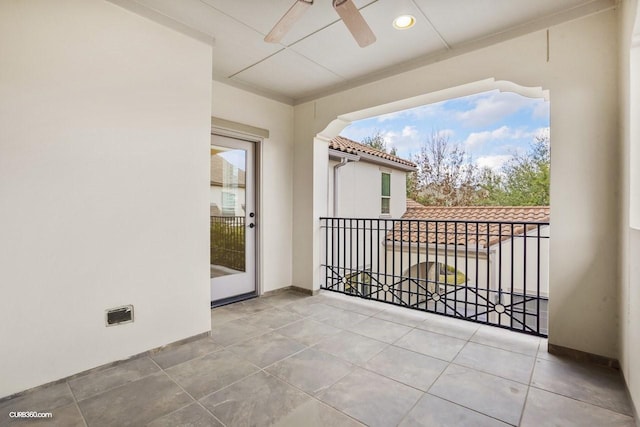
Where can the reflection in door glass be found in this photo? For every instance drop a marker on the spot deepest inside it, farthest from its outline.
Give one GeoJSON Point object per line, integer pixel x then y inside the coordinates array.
{"type": "Point", "coordinates": [227, 200]}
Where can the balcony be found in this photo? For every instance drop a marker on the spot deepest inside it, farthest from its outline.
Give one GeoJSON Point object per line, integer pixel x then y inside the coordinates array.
{"type": "Point", "coordinates": [291, 360]}
{"type": "Point", "coordinates": [489, 272]}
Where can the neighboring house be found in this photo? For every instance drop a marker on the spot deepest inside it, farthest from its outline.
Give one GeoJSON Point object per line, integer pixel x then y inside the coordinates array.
{"type": "Point", "coordinates": [365, 182]}
{"type": "Point", "coordinates": [226, 199]}
{"type": "Point", "coordinates": [480, 247]}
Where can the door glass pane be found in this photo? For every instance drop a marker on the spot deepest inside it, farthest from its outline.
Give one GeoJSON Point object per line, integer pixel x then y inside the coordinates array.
{"type": "Point", "coordinates": [227, 205]}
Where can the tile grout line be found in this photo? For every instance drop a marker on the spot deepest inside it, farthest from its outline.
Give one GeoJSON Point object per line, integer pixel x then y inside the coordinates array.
{"type": "Point", "coordinates": [312, 346]}
{"type": "Point", "coordinates": [471, 409]}
{"type": "Point", "coordinates": [200, 356]}
{"type": "Point", "coordinates": [452, 362]}
{"type": "Point", "coordinates": [581, 401]}
{"type": "Point", "coordinates": [233, 383]}
{"type": "Point", "coordinates": [75, 401]}
{"type": "Point", "coordinates": [194, 400]}
{"type": "Point", "coordinates": [469, 339]}
{"type": "Point", "coordinates": [313, 397]}
{"type": "Point", "coordinates": [526, 397]}
{"type": "Point", "coordinates": [91, 396]}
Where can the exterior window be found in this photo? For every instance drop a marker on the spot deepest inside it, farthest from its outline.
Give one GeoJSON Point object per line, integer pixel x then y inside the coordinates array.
{"type": "Point", "coordinates": [386, 193]}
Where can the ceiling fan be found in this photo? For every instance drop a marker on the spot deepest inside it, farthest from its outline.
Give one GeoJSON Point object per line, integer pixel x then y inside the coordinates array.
{"type": "Point", "coordinates": [345, 8]}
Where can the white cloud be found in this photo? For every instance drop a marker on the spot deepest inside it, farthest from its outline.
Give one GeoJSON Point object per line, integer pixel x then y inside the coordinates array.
{"type": "Point", "coordinates": [417, 113]}
{"type": "Point", "coordinates": [478, 139]}
{"type": "Point", "coordinates": [390, 116]}
{"type": "Point", "coordinates": [493, 162]}
{"type": "Point", "coordinates": [445, 133]}
{"type": "Point", "coordinates": [409, 131]}
{"type": "Point", "coordinates": [390, 137]}
{"type": "Point", "coordinates": [493, 107]}
{"type": "Point", "coordinates": [542, 132]}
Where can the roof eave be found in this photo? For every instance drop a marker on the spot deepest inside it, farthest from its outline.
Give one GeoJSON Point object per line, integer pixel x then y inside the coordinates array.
{"type": "Point", "coordinates": [337, 155]}
{"type": "Point", "coordinates": [370, 158]}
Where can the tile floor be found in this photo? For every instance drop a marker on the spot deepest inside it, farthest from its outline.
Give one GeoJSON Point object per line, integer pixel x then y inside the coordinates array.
{"type": "Point", "coordinates": [331, 360]}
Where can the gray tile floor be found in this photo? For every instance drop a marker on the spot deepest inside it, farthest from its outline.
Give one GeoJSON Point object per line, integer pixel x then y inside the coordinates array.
{"type": "Point", "coordinates": [331, 360]}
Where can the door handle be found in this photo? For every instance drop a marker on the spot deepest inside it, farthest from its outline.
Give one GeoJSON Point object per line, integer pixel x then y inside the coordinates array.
{"type": "Point", "coordinates": [252, 225]}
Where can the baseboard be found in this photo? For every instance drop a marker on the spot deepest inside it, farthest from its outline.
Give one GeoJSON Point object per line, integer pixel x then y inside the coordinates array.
{"type": "Point", "coordinates": [106, 366]}
{"type": "Point", "coordinates": [306, 291]}
{"type": "Point", "coordinates": [289, 289]}
{"type": "Point", "coordinates": [583, 356]}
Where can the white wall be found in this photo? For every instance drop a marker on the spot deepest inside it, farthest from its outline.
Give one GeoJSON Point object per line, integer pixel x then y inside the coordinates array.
{"type": "Point", "coordinates": [581, 77]}
{"type": "Point", "coordinates": [629, 307]}
{"type": "Point", "coordinates": [360, 190]}
{"type": "Point", "coordinates": [104, 171]}
{"type": "Point", "coordinates": [524, 255]}
{"type": "Point", "coordinates": [276, 176]}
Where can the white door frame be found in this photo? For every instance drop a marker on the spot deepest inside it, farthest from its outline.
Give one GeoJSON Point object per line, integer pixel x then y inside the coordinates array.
{"type": "Point", "coordinates": [257, 140]}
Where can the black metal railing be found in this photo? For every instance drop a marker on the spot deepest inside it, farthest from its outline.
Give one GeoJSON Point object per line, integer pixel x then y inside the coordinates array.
{"type": "Point", "coordinates": [483, 271]}
{"type": "Point", "coordinates": [228, 242]}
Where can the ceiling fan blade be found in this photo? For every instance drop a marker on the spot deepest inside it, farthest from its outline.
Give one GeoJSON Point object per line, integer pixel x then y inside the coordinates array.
{"type": "Point", "coordinates": [287, 21]}
{"type": "Point", "coordinates": [355, 22]}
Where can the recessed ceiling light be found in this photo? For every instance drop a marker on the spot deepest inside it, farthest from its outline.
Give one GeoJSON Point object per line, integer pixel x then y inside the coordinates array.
{"type": "Point", "coordinates": [403, 22]}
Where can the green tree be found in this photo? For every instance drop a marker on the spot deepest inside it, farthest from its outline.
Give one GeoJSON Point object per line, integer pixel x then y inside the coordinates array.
{"type": "Point", "coordinates": [447, 176]}
{"type": "Point", "coordinates": [378, 142]}
{"type": "Point", "coordinates": [490, 187]}
{"type": "Point", "coordinates": [526, 177]}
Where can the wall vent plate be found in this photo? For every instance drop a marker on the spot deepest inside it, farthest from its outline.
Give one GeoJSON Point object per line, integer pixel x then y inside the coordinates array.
{"type": "Point", "coordinates": [119, 315]}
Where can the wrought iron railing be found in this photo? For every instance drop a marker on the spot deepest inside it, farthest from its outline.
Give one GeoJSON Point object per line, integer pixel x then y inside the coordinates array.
{"type": "Point", "coordinates": [484, 271]}
{"type": "Point", "coordinates": [228, 242]}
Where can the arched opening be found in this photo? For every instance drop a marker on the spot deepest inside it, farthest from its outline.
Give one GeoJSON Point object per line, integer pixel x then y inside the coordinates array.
{"type": "Point", "coordinates": [487, 265]}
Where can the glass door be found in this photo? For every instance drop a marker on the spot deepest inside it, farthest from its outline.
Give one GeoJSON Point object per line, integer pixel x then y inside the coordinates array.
{"type": "Point", "coordinates": [232, 212]}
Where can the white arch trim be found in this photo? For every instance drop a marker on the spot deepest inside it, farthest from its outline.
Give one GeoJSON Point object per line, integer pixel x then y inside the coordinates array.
{"type": "Point", "coordinates": [336, 126]}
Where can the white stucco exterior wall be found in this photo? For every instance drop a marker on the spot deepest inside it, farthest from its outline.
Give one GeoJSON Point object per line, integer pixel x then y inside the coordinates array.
{"type": "Point", "coordinates": [360, 190]}
{"type": "Point", "coordinates": [275, 176]}
{"type": "Point", "coordinates": [104, 199]}
{"type": "Point", "coordinates": [581, 77]}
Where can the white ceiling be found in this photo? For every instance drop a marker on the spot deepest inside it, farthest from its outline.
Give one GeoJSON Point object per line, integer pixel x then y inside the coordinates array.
{"type": "Point", "coordinates": [319, 55]}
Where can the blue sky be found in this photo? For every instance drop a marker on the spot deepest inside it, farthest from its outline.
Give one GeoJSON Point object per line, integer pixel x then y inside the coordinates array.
{"type": "Point", "coordinates": [491, 126]}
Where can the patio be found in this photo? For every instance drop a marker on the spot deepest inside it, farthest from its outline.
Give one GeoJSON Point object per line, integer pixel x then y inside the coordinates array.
{"type": "Point", "coordinates": [292, 360]}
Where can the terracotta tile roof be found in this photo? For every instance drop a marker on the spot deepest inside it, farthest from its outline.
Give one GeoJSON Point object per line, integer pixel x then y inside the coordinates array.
{"type": "Point", "coordinates": [416, 210]}
{"type": "Point", "coordinates": [412, 204]}
{"type": "Point", "coordinates": [453, 230]}
{"type": "Point", "coordinates": [349, 146]}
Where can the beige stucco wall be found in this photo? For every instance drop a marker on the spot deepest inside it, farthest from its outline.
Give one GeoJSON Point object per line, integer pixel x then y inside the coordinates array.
{"type": "Point", "coordinates": [275, 175]}
{"type": "Point", "coordinates": [629, 219]}
{"type": "Point", "coordinates": [581, 77]}
{"type": "Point", "coordinates": [104, 171]}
